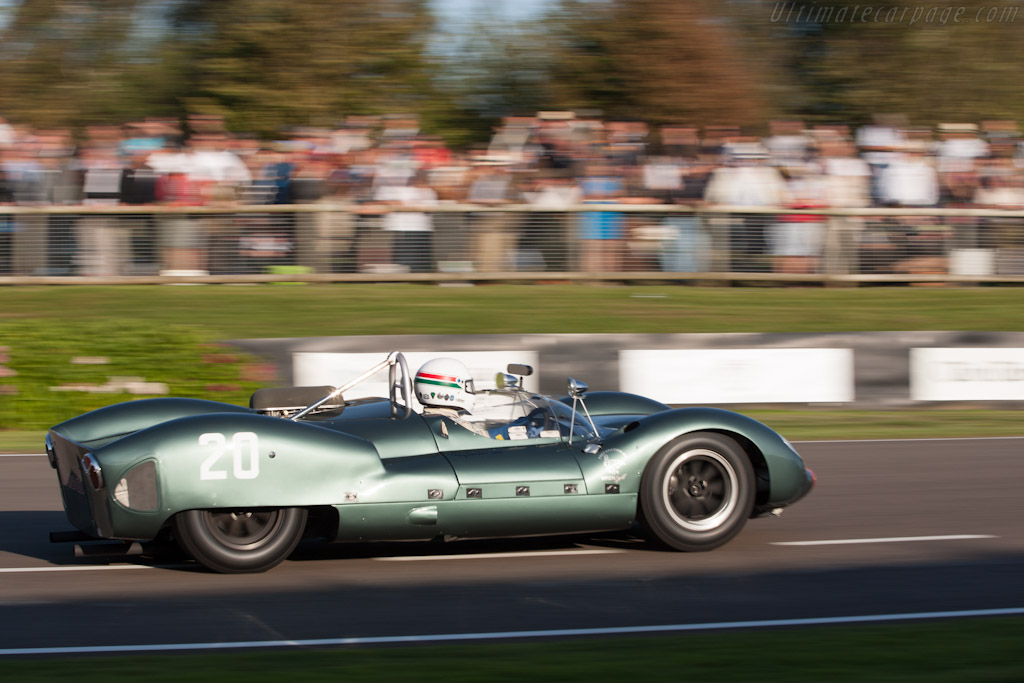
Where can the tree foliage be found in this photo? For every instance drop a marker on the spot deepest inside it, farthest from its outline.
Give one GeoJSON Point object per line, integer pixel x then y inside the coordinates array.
{"type": "Point", "coordinates": [964, 71]}
{"type": "Point", "coordinates": [655, 60]}
{"type": "Point", "coordinates": [268, 64]}
{"type": "Point", "coordinates": [263, 64]}
{"type": "Point", "coordinates": [930, 61]}
{"type": "Point", "coordinates": [64, 63]}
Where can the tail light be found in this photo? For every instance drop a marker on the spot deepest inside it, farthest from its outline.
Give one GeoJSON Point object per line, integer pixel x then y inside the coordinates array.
{"type": "Point", "coordinates": [92, 471]}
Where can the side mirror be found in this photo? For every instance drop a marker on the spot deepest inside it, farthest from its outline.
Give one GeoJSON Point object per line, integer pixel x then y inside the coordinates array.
{"type": "Point", "coordinates": [577, 388]}
{"type": "Point", "coordinates": [519, 369]}
{"type": "Point", "coordinates": [506, 381]}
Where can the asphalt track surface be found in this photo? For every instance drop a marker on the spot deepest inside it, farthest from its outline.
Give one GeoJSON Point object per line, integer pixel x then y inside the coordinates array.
{"type": "Point", "coordinates": [914, 527]}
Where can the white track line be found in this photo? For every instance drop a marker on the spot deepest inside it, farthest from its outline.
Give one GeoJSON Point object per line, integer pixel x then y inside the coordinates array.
{"type": "Point", "coordinates": [511, 635]}
{"type": "Point", "coordinates": [502, 556]}
{"type": "Point", "coordinates": [490, 556]}
{"type": "Point", "coordinates": [894, 539]}
{"type": "Point", "coordinates": [82, 568]}
{"type": "Point", "coordinates": [403, 558]}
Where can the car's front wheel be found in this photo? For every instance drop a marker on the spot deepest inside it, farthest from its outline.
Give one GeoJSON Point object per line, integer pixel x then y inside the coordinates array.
{"type": "Point", "coordinates": [697, 492]}
{"type": "Point", "coordinates": [240, 541]}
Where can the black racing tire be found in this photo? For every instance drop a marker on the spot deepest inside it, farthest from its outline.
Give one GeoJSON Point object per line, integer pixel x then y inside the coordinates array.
{"type": "Point", "coordinates": [240, 541]}
{"type": "Point", "coordinates": [697, 492]}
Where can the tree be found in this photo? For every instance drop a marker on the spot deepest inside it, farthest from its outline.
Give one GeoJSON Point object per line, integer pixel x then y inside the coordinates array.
{"type": "Point", "coordinates": [65, 63]}
{"type": "Point", "coordinates": [932, 62]}
{"type": "Point", "coordinates": [265, 64]}
{"type": "Point", "coordinates": [261, 64]}
{"type": "Point", "coordinates": [660, 61]}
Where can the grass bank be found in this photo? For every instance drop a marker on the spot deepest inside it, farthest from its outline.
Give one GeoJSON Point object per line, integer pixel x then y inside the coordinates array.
{"type": "Point", "coordinates": [234, 312]}
{"type": "Point", "coordinates": [979, 651]}
{"type": "Point", "coordinates": [226, 312]}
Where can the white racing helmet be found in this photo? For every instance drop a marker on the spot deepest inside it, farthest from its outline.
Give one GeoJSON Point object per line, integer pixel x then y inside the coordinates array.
{"type": "Point", "coordinates": [444, 383]}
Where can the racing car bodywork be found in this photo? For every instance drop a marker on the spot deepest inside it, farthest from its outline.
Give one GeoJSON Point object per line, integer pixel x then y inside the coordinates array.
{"type": "Point", "coordinates": [238, 487]}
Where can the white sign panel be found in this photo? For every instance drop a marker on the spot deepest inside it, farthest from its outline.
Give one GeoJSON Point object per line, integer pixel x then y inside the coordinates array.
{"type": "Point", "coordinates": [967, 374]}
{"type": "Point", "coordinates": [312, 369]}
{"type": "Point", "coordinates": [701, 376]}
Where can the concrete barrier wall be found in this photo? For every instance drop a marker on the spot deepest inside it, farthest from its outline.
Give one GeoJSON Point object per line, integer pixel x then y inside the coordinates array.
{"type": "Point", "coordinates": [862, 369]}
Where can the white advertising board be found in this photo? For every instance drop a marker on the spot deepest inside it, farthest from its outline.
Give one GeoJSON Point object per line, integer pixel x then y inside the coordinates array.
{"type": "Point", "coordinates": [967, 374]}
{"type": "Point", "coordinates": [701, 376]}
{"type": "Point", "coordinates": [311, 369]}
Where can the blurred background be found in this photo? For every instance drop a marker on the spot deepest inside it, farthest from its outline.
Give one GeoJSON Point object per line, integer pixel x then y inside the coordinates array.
{"type": "Point", "coordinates": [535, 110]}
{"type": "Point", "coordinates": [553, 140]}
{"type": "Point", "coordinates": [459, 66]}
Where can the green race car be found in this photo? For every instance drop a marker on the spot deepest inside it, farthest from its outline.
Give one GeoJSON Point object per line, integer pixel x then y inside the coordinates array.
{"type": "Point", "coordinates": [238, 487]}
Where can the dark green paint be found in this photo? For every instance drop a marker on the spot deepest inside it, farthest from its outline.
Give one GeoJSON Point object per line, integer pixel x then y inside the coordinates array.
{"type": "Point", "coordinates": [393, 478]}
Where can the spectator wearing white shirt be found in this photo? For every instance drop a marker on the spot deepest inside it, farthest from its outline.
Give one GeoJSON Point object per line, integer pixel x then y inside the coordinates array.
{"type": "Point", "coordinates": [879, 145]}
{"type": "Point", "coordinates": [910, 180]}
{"type": "Point", "coordinates": [788, 144]}
{"type": "Point", "coordinates": [959, 147]}
{"type": "Point", "coordinates": [545, 241]}
{"type": "Point", "coordinates": [796, 240]}
{"type": "Point", "coordinates": [412, 231]}
{"type": "Point", "coordinates": [747, 182]}
{"type": "Point", "coordinates": [102, 240]}
{"type": "Point", "coordinates": [847, 186]}
{"type": "Point", "coordinates": [7, 135]}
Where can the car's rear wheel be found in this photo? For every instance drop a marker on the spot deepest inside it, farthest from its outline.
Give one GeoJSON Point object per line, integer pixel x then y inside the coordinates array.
{"type": "Point", "coordinates": [240, 541]}
{"type": "Point", "coordinates": [697, 492]}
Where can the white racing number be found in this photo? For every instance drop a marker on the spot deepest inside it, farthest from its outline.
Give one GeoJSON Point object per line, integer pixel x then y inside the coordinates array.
{"type": "Point", "coordinates": [245, 456]}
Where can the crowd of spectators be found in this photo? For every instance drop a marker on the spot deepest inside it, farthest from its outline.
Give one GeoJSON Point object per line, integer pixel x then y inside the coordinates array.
{"type": "Point", "coordinates": [551, 162]}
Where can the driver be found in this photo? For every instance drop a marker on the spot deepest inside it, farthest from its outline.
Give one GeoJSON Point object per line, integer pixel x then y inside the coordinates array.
{"type": "Point", "coordinates": [445, 387]}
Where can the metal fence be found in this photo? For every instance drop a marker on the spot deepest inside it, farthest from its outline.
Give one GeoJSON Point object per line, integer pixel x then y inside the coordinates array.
{"type": "Point", "coordinates": [335, 242]}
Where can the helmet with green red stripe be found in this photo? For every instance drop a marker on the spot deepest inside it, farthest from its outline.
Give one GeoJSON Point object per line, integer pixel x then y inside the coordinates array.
{"type": "Point", "coordinates": [444, 383]}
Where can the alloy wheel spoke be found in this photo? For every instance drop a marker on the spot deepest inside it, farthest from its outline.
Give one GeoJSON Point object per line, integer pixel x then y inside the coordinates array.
{"type": "Point", "coordinates": [250, 525]}
{"type": "Point", "coordinates": [236, 527]}
{"type": "Point", "coordinates": [708, 470]}
{"type": "Point", "coordinates": [684, 503]}
{"type": "Point", "coordinates": [709, 504]}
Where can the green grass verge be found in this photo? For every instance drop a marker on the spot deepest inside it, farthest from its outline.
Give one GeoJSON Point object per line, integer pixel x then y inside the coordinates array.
{"type": "Point", "coordinates": [816, 425]}
{"type": "Point", "coordinates": [318, 310]}
{"type": "Point", "coordinates": [65, 318]}
{"type": "Point", "coordinates": [53, 376]}
{"type": "Point", "coordinates": [21, 441]}
{"type": "Point", "coordinates": [980, 651]}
